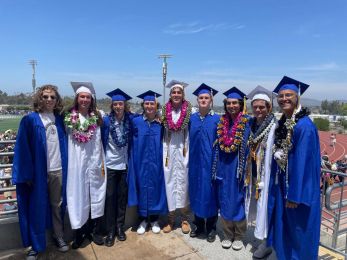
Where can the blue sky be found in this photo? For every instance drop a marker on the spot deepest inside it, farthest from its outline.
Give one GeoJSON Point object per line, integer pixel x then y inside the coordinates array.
{"type": "Point", "coordinates": [221, 43]}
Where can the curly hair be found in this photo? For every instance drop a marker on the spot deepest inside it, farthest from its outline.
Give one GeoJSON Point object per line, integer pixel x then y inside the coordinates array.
{"type": "Point", "coordinates": [92, 108]}
{"type": "Point", "coordinates": [38, 101]}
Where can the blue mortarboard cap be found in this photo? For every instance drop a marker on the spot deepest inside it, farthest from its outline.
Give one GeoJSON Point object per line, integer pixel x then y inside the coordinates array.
{"type": "Point", "coordinates": [204, 89]}
{"type": "Point", "coordinates": [149, 95]}
{"type": "Point", "coordinates": [234, 92]}
{"type": "Point", "coordinates": [118, 95]}
{"type": "Point", "coordinates": [292, 84]}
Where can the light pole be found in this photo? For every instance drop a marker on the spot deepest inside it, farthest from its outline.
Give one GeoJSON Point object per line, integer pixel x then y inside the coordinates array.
{"type": "Point", "coordinates": [33, 63]}
{"type": "Point", "coordinates": [164, 57]}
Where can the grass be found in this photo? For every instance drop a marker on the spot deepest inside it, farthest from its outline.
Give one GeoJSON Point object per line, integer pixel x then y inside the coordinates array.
{"type": "Point", "coordinates": [10, 123]}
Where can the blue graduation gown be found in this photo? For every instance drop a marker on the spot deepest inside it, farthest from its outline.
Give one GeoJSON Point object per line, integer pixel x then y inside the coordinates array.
{"type": "Point", "coordinates": [231, 190]}
{"type": "Point", "coordinates": [202, 191]}
{"type": "Point", "coordinates": [146, 173]}
{"type": "Point", "coordinates": [295, 233]}
{"type": "Point", "coordinates": [30, 165]}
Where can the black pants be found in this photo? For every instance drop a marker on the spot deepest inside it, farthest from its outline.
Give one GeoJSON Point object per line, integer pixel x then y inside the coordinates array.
{"type": "Point", "coordinates": [210, 223]}
{"type": "Point", "coordinates": [150, 218]}
{"type": "Point", "coordinates": [115, 203]}
{"type": "Point", "coordinates": [87, 229]}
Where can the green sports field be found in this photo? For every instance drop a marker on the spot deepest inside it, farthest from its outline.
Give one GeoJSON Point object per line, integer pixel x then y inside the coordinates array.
{"type": "Point", "coordinates": [9, 123]}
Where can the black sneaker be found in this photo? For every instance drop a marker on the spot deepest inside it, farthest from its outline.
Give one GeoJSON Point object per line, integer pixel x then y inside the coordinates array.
{"type": "Point", "coordinates": [31, 255]}
{"type": "Point", "coordinates": [61, 244]}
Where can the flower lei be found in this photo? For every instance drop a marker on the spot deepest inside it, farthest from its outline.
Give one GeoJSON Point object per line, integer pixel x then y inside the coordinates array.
{"type": "Point", "coordinates": [182, 121]}
{"type": "Point", "coordinates": [228, 140]}
{"type": "Point", "coordinates": [82, 133]}
{"type": "Point", "coordinates": [119, 138]}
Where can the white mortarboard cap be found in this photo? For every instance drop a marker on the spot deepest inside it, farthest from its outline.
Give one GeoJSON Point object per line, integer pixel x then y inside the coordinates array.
{"type": "Point", "coordinates": [175, 83]}
{"type": "Point", "coordinates": [261, 93]}
{"type": "Point", "coordinates": [86, 87]}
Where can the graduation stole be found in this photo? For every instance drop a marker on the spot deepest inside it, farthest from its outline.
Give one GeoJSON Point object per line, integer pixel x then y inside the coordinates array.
{"type": "Point", "coordinates": [82, 133]}
{"type": "Point", "coordinates": [258, 136]}
{"type": "Point", "coordinates": [257, 143]}
{"type": "Point", "coordinates": [168, 139]}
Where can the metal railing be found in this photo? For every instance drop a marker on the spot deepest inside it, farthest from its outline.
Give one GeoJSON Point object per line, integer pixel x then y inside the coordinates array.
{"type": "Point", "coordinates": [333, 206]}
{"type": "Point", "coordinates": [7, 215]}
{"type": "Point", "coordinates": [334, 211]}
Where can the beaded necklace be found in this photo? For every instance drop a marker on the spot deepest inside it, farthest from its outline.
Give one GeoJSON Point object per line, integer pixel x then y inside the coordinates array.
{"type": "Point", "coordinates": [119, 136]}
{"type": "Point", "coordinates": [283, 141]}
{"type": "Point", "coordinates": [256, 138]}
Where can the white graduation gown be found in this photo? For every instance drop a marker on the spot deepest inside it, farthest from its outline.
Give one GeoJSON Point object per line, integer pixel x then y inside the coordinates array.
{"type": "Point", "coordinates": [86, 184]}
{"type": "Point", "coordinates": [260, 213]}
{"type": "Point", "coordinates": [176, 172]}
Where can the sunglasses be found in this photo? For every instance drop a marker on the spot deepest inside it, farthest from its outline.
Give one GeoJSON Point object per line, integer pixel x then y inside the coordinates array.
{"type": "Point", "coordinates": [45, 97]}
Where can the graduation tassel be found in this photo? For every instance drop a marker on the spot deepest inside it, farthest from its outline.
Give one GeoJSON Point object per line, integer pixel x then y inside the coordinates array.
{"type": "Point", "coordinates": [244, 105]}
{"type": "Point", "coordinates": [103, 169]}
{"type": "Point", "coordinates": [168, 139]}
{"type": "Point", "coordinates": [184, 143]}
{"type": "Point", "coordinates": [257, 191]}
{"type": "Point", "coordinates": [298, 104]}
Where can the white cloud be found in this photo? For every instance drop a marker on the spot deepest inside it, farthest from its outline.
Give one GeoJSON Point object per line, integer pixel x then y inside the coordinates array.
{"type": "Point", "coordinates": [197, 27]}
{"type": "Point", "coordinates": [330, 66]}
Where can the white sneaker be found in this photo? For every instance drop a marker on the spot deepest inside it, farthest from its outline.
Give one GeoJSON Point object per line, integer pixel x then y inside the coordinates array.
{"type": "Point", "coordinates": [226, 243]}
{"type": "Point", "coordinates": [142, 228]}
{"type": "Point", "coordinates": [237, 245]}
{"type": "Point", "coordinates": [155, 227]}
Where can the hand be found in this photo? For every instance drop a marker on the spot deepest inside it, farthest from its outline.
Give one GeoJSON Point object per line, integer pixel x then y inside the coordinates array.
{"type": "Point", "coordinates": [291, 205]}
{"type": "Point", "coordinates": [278, 155]}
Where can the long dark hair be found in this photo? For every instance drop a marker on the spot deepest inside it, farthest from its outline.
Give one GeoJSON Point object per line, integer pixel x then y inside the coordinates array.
{"type": "Point", "coordinates": [92, 108]}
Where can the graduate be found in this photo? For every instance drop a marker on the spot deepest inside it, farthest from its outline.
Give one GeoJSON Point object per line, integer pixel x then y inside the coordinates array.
{"type": "Point", "coordinates": [115, 133]}
{"type": "Point", "coordinates": [202, 192]}
{"type": "Point", "coordinates": [146, 175]}
{"type": "Point", "coordinates": [86, 183]}
{"type": "Point", "coordinates": [175, 117]}
{"type": "Point", "coordinates": [258, 165]}
{"type": "Point", "coordinates": [39, 172]}
{"type": "Point", "coordinates": [229, 167]}
{"type": "Point", "coordinates": [294, 193]}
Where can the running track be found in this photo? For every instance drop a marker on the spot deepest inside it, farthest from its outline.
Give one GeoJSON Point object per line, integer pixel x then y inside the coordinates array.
{"type": "Point", "coordinates": [334, 153]}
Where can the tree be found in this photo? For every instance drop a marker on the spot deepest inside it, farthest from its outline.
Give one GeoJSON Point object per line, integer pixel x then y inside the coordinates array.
{"type": "Point", "coordinates": [322, 124]}
{"type": "Point", "coordinates": [325, 105]}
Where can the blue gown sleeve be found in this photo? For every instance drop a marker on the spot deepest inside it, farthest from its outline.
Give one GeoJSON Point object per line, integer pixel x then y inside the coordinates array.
{"type": "Point", "coordinates": [23, 168]}
{"type": "Point", "coordinates": [304, 165]}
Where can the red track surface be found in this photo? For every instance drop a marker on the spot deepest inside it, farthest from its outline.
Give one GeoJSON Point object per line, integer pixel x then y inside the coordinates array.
{"type": "Point", "coordinates": [334, 153]}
